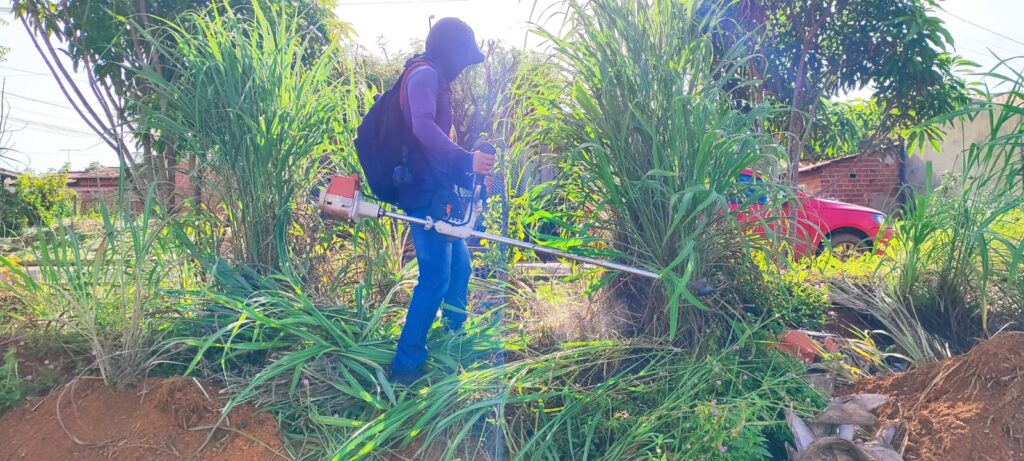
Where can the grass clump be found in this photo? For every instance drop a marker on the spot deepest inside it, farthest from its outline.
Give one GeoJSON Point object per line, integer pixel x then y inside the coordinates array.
{"type": "Point", "coordinates": [661, 143]}
{"type": "Point", "coordinates": [957, 259]}
{"type": "Point", "coordinates": [258, 105]}
{"type": "Point", "coordinates": [113, 291]}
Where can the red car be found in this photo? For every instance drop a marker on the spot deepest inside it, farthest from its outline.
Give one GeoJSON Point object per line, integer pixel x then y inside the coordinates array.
{"type": "Point", "coordinates": [846, 227]}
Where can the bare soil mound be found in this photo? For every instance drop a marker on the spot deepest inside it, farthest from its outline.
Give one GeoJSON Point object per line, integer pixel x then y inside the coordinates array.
{"type": "Point", "coordinates": [969, 407]}
{"type": "Point", "coordinates": [161, 419]}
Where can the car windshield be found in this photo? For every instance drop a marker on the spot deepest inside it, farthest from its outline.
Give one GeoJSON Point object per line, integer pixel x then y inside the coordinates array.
{"type": "Point", "coordinates": [755, 190]}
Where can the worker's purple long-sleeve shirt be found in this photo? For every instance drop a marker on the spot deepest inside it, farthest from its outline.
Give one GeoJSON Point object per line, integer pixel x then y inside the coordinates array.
{"type": "Point", "coordinates": [428, 112]}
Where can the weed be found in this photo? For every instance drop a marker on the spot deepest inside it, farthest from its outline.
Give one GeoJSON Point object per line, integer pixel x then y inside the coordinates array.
{"type": "Point", "coordinates": [952, 262]}
{"type": "Point", "coordinates": [10, 382]}
{"type": "Point", "coordinates": [914, 341]}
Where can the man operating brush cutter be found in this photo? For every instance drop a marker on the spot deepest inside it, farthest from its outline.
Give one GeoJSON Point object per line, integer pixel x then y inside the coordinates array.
{"type": "Point", "coordinates": [409, 161]}
{"type": "Point", "coordinates": [424, 182]}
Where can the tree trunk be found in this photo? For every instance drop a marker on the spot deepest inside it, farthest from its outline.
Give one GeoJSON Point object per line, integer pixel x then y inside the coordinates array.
{"type": "Point", "coordinates": [168, 172]}
{"type": "Point", "coordinates": [195, 182]}
{"type": "Point", "coordinates": [796, 121]}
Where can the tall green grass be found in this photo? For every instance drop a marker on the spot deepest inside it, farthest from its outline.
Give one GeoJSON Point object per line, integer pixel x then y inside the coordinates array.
{"type": "Point", "coordinates": [117, 292]}
{"type": "Point", "coordinates": [259, 105]}
{"type": "Point", "coordinates": [322, 369]}
{"type": "Point", "coordinates": [658, 141]}
{"type": "Point", "coordinates": [958, 255]}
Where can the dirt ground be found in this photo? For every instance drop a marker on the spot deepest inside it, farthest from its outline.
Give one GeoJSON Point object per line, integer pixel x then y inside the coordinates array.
{"type": "Point", "coordinates": [968, 408]}
{"type": "Point", "coordinates": [161, 419]}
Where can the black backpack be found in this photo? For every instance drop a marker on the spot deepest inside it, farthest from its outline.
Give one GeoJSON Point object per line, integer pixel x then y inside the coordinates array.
{"type": "Point", "coordinates": [381, 141]}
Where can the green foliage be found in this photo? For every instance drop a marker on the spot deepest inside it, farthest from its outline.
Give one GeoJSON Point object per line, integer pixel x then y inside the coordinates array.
{"type": "Point", "coordinates": [796, 303]}
{"type": "Point", "coordinates": [825, 267]}
{"type": "Point", "coordinates": [14, 213]}
{"type": "Point", "coordinates": [258, 107]}
{"type": "Point", "coordinates": [323, 369]}
{"type": "Point", "coordinates": [94, 166]}
{"type": "Point", "coordinates": [10, 382]}
{"type": "Point", "coordinates": [657, 145]}
{"type": "Point", "coordinates": [841, 128]}
{"type": "Point", "coordinates": [107, 291]}
{"type": "Point", "coordinates": [813, 51]}
{"type": "Point", "coordinates": [957, 258]}
{"type": "Point", "coordinates": [113, 39]}
{"type": "Point", "coordinates": [787, 295]}
{"type": "Point", "coordinates": [45, 197]}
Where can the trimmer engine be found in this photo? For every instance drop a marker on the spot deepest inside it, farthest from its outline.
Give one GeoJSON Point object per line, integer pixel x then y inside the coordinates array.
{"type": "Point", "coordinates": [343, 201]}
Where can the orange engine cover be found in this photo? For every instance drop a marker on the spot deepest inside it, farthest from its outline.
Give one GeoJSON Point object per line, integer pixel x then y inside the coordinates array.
{"type": "Point", "coordinates": [344, 186]}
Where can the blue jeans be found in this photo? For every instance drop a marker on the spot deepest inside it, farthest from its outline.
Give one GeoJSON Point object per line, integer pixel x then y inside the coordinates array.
{"type": "Point", "coordinates": [443, 282]}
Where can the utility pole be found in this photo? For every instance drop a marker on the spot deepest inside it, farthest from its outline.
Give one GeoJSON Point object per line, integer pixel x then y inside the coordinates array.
{"type": "Point", "coordinates": [68, 152]}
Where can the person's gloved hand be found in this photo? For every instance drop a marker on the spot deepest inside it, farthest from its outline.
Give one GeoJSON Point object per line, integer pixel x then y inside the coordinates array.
{"type": "Point", "coordinates": [483, 163]}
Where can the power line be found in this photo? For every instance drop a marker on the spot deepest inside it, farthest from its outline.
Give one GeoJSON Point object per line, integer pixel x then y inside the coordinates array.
{"type": "Point", "coordinates": [43, 74]}
{"type": "Point", "coordinates": [44, 125]}
{"type": "Point", "coordinates": [50, 116]}
{"type": "Point", "coordinates": [25, 71]}
{"type": "Point", "coordinates": [998, 34]}
{"type": "Point", "coordinates": [40, 101]}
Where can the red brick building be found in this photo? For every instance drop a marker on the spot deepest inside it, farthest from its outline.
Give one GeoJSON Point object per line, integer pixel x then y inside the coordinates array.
{"type": "Point", "coordinates": [872, 179]}
{"type": "Point", "coordinates": [102, 186]}
{"type": "Point", "coordinates": [94, 186]}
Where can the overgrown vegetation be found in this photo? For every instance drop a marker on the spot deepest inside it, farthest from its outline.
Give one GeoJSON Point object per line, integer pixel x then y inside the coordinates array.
{"type": "Point", "coordinates": [241, 112]}
{"type": "Point", "coordinates": [955, 268]}
{"type": "Point", "coordinates": [108, 291]}
{"type": "Point", "coordinates": [656, 156]}
{"type": "Point", "coordinates": [251, 289]}
{"type": "Point", "coordinates": [37, 200]}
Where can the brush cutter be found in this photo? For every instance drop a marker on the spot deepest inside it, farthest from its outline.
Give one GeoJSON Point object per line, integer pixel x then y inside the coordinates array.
{"type": "Point", "coordinates": [343, 201]}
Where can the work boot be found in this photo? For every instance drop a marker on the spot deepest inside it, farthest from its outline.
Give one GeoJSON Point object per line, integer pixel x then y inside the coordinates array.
{"type": "Point", "coordinates": [408, 378]}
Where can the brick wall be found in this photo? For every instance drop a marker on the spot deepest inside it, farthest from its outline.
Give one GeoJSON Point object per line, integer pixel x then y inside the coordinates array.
{"type": "Point", "coordinates": [871, 180]}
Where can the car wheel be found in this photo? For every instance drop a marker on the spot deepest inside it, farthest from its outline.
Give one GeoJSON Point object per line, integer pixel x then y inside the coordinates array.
{"type": "Point", "coordinates": [845, 245]}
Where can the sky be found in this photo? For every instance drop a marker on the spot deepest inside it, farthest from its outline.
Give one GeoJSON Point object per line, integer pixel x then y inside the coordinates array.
{"type": "Point", "coordinates": [47, 132]}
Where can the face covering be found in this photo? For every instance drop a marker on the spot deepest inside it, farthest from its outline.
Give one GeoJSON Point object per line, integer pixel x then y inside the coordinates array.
{"type": "Point", "coordinates": [451, 47]}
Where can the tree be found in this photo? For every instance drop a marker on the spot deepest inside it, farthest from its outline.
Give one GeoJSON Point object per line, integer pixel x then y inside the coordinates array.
{"type": "Point", "coordinates": [46, 197]}
{"type": "Point", "coordinates": [843, 128]}
{"type": "Point", "coordinates": [813, 51]}
{"type": "Point", "coordinates": [110, 40]}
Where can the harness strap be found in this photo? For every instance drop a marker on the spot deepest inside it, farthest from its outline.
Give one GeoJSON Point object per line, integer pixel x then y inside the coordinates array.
{"type": "Point", "coordinates": [403, 102]}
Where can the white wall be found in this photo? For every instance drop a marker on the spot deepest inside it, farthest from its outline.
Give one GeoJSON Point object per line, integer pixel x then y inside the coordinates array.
{"type": "Point", "coordinates": [958, 139]}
